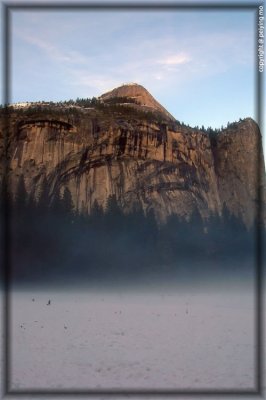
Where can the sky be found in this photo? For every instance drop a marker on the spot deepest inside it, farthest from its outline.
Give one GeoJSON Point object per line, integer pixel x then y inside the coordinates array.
{"type": "Point", "coordinates": [200, 65]}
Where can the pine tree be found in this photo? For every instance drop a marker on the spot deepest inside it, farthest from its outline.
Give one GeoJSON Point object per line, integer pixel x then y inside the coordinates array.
{"type": "Point", "coordinates": [82, 214]}
{"type": "Point", "coordinates": [44, 197]}
{"type": "Point", "coordinates": [151, 229]}
{"type": "Point", "coordinates": [56, 203]}
{"type": "Point", "coordinates": [96, 215]}
{"type": "Point", "coordinates": [67, 203]}
{"type": "Point", "coordinates": [31, 204]}
{"type": "Point", "coordinates": [112, 208]}
{"type": "Point", "coordinates": [21, 196]}
{"type": "Point", "coordinates": [114, 218]}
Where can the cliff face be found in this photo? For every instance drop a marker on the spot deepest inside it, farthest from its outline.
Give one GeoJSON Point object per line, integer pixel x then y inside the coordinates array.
{"type": "Point", "coordinates": [240, 168]}
{"type": "Point", "coordinates": [140, 95]}
{"type": "Point", "coordinates": [157, 164]}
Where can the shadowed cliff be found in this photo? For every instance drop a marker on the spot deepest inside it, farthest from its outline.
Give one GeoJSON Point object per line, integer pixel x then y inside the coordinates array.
{"type": "Point", "coordinates": [127, 145]}
{"type": "Point", "coordinates": [119, 190]}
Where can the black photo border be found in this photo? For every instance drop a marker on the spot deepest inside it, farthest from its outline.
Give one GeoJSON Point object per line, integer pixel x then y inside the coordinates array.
{"type": "Point", "coordinates": [7, 8]}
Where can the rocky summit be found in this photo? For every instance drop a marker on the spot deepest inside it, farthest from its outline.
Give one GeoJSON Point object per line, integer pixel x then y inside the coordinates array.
{"type": "Point", "coordinates": [140, 95]}
{"type": "Point", "coordinates": [126, 144]}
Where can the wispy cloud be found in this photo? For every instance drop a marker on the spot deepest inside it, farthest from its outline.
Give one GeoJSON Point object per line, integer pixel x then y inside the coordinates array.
{"type": "Point", "coordinates": [175, 59]}
{"type": "Point", "coordinates": [52, 51]}
{"type": "Point", "coordinates": [178, 68]}
{"type": "Point", "coordinates": [62, 55]}
{"type": "Point", "coordinates": [95, 83]}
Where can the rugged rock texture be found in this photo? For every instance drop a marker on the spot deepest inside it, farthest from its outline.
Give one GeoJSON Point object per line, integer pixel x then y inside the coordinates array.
{"type": "Point", "coordinates": [239, 167]}
{"type": "Point", "coordinates": [140, 95]}
{"type": "Point", "coordinates": [157, 164]}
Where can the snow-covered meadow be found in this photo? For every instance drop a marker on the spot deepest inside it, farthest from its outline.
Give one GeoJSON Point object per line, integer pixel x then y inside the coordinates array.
{"type": "Point", "coordinates": [180, 338]}
{"type": "Point", "coordinates": [132, 339]}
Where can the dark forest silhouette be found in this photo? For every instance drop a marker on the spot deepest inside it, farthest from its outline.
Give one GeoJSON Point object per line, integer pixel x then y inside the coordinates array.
{"type": "Point", "coordinates": [51, 242]}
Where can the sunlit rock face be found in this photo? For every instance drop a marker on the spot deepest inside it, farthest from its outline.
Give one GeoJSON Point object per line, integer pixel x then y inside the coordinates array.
{"type": "Point", "coordinates": [240, 169]}
{"type": "Point", "coordinates": [152, 162]}
{"type": "Point", "coordinates": [139, 94]}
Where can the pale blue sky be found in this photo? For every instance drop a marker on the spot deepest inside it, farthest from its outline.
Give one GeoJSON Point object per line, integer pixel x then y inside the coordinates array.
{"type": "Point", "coordinates": [200, 65]}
